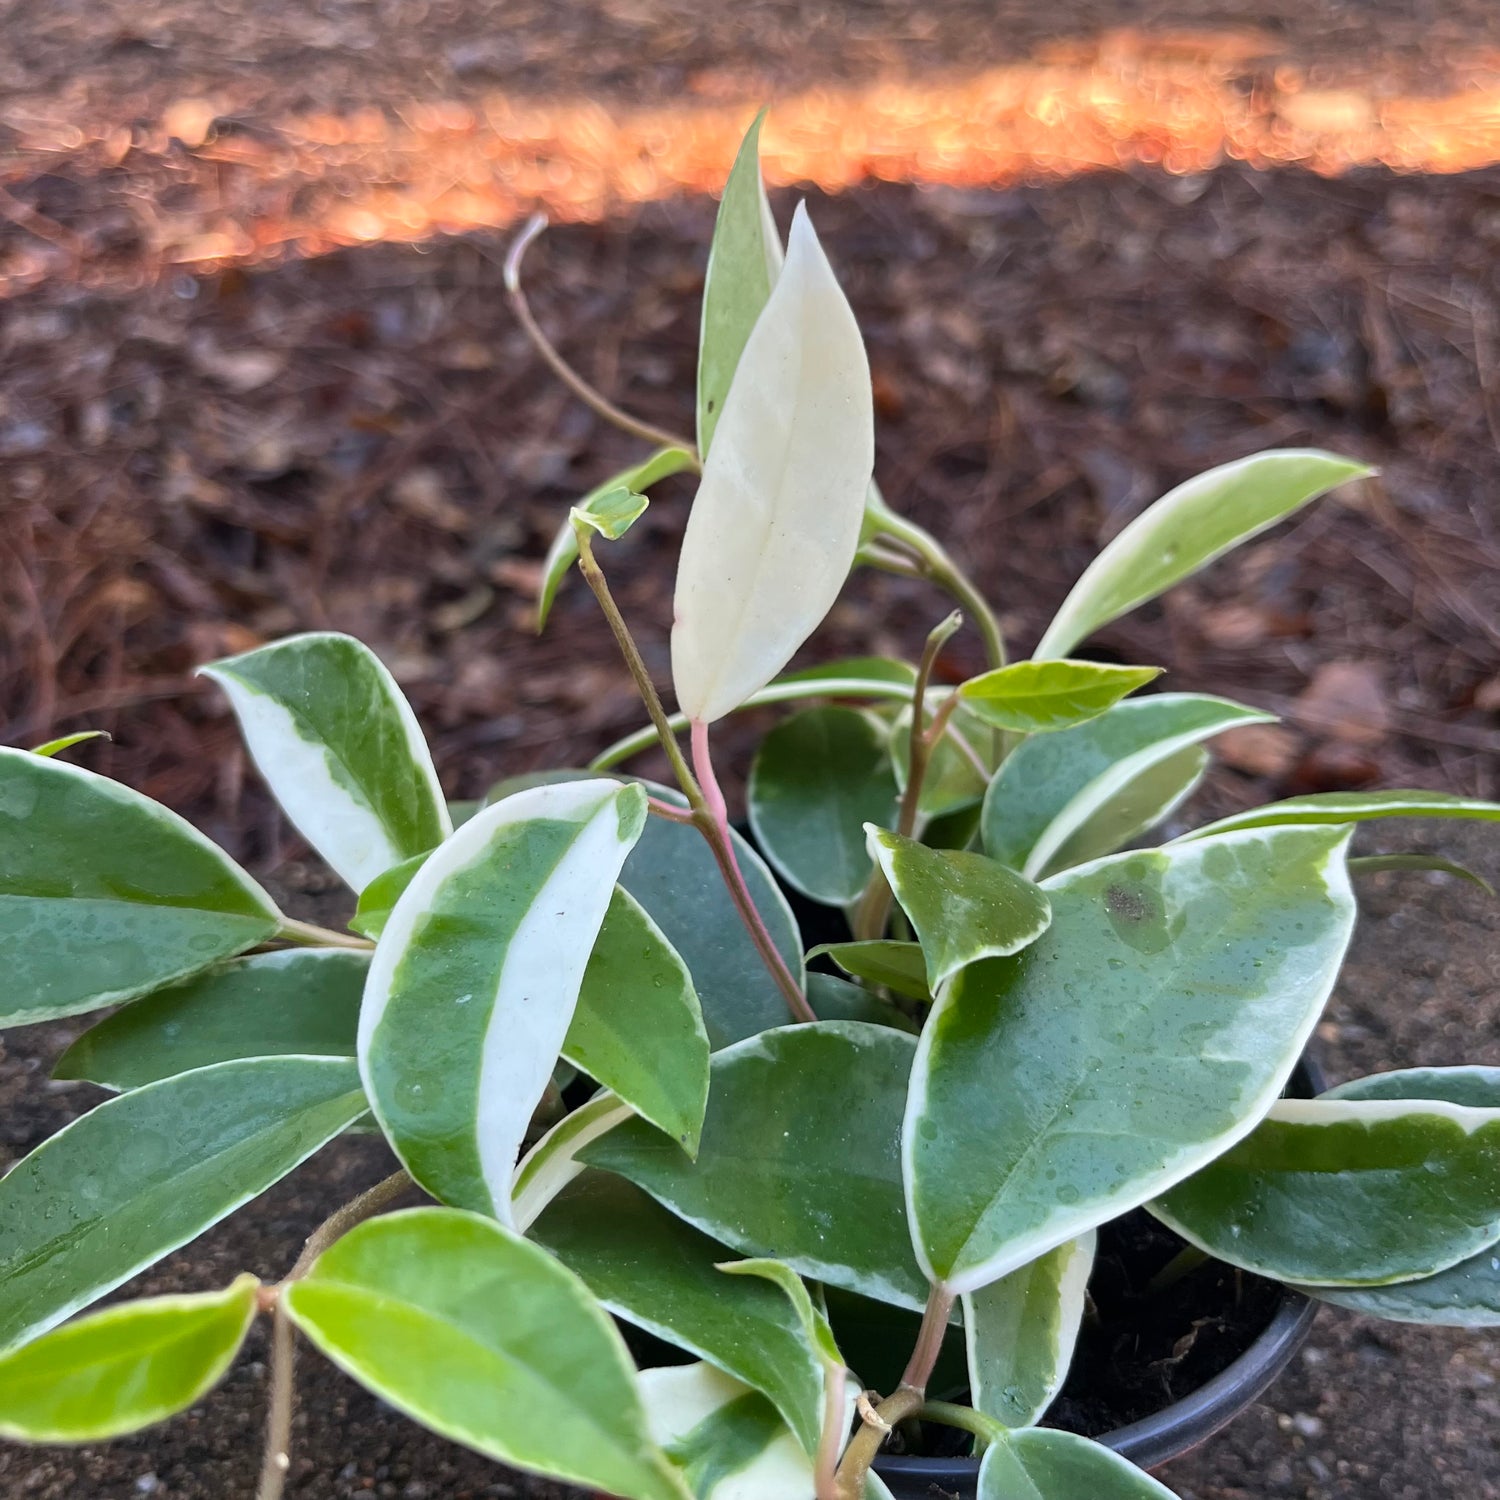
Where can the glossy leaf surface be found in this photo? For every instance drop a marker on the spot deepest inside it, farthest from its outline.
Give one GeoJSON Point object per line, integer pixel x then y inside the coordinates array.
{"type": "Point", "coordinates": [553, 1162]}
{"type": "Point", "coordinates": [487, 1340]}
{"type": "Point", "coordinates": [774, 526]}
{"type": "Point", "coordinates": [1145, 1032]}
{"type": "Point", "coordinates": [900, 967]}
{"type": "Point", "coordinates": [1052, 787]}
{"type": "Point", "coordinates": [817, 779]}
{"type": "Point", "coordinates": [799, 1157]}
{"type": "Point", "coordinates": [67, 741]}
{"type": "Point", "coordinates": [122, 1369]}
{"type": "Point", "coordinates": [475, 980]}
{"type": "Point", "coordinates": [1032, 696]}
{"type": "Point", "coordinates": [1464, 1296]}
{"type": "Point", "coordinates": [1188, 528]}
{"type": "Point", "coordinates": [1040, 1463]}
{"type": "Point", "coordinates": [964, 907]}
{"type": "Point", "coordinates": [659, 1273]}
{"type": "Point", "coordinates": [105, 895]}
{"type": "Point", "coordinates": [1355, 807]}
{"type": "Point", "coordinates": [1021, 1331]}
{"type": "Point", "coordinates": [298, 1000]}
{"type": "Point", "coordinates": [150, 1170]}
{"type": "Point", "coordinates": [340, 748]}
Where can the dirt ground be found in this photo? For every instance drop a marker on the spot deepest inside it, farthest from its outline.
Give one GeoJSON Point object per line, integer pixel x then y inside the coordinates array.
{"type": "Point", "coordinates": [364, 441]}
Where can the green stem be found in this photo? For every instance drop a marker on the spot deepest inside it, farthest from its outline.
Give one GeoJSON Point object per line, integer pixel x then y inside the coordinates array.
{"type": "Point", "coordinates": [307, 934]}
{"type": "Point", "coordinates": [1184, 1263]}
{"type": "Point", "coordinates": [965, 1418]}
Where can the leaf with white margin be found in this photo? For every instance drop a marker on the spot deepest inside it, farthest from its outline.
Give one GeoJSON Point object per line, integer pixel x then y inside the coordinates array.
{"type": "Point", "coordinates": [900, 967]}
{"type": "Point", "coordinates": [563, 552]}
{"type": "Point", "coordinates": [124, 1368]}
{"type": "Point", "coordinates": [744, 262]}
{"type": "Point", "coordinates": [1388, 1179]}
{"type": "Point", "coordinates": [1142, 1035]}
{"type": "Point", "coordinates": [817, 779]}
{"type": "Point", "coordinates": [814, 1324]}
{"type": "Point", "coordinates": [340, 748]}
{"type": "Point", "coordinates": [964, 906]}
{"type": "Point", "coordinates": [484, 1338]}
{"type": "Point", "coordinates": [775, 524]}
{"type": "Point", "coordinates": [302, 1001]}
{"type": "Point", "coordinates": [1041, 1463]}
{"type": "Point", "coordinates": [799, 1159]}
{"type": "Point", "coordinates": [1021, 1331]}
{"type": "Point", "coordinates": [647, 1266]}
{"type": "Point", "coordinates": [1052, 786]}
{"type": "Point", "coordinates": [1032, 697]}
{"type": "Point", "coordinates": [1354, 807]}
{"type": "Point", "coordinates": [1464, 1296]}
{"type": "Point", "coordinates": [1427, 864]}
{"type": "Point", "coordinates": [1187, 529]}
{"type": "Point", "coordinates": [105, 895]}
{"type": "Point", "coordinates": [553, 1162]}
{"type": "Point", "coordinates": [146, 1172]}
{"type": "Point", "coordinates": [476, 977]}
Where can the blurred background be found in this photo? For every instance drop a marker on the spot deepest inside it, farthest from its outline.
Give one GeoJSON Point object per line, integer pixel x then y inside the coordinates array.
{"type": "Point", "coordinates": [258, 374]}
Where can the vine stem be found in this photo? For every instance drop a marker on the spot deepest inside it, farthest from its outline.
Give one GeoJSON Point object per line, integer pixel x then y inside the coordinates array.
{"type": "Point", "coordinates": [276, 1459]}
{"type": "Point", "coordinates": [713, 819]}
{"type": "Point", "coordinates": [965, 1418]}
{"type": "Point", "coordinates": [595, 400]}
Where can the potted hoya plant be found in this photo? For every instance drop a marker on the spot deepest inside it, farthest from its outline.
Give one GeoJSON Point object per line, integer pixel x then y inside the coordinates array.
{"type": "Point", "coordinates": [850, 1186]}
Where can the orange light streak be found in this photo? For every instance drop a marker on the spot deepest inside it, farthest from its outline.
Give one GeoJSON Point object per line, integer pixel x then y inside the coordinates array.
{"type": "Point", "coordinates": [315, 183]}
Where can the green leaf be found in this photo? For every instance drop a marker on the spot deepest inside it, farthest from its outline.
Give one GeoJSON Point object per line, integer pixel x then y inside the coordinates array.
{"type": "Point", "coordinates": [340, 748]}
{"type": "Point", "coordinates": [67, 741]}
{"type": "Point", "coordinates": [563, 552]}
{"type": "Point", "coordinates": [1189, 987]}
{"type": "Point", "coordinates": [1021, 1331]}
{"type": "Point", "coordinates": [799, 1157]}
{"type": "Point", "coordinates": [638, 1029]}
{"type": "Point", "coordinates": [1354, 807]}
{"type": "Point", "coordinates": [611, 514]}
{"type": "Point", "coordinates": [1052, 787]}
{"type": "Point", "coordinates": [956, 777]}
{"type": "Point", "coordinates": [775, 524]}
{"type": "Point", "coordinates": [105, 895]}
{"type": "Point", "coordinates": [1375, 864]}
{"type": "Point", "coordinates": [814, 1325]}
{"type": "Point", "coordinates": [1032, 696]}
{"type": "Point", "coordinates": [817, 779]}
{"type": "Point", "coordinates": [880, 671]}
{"type": "Point", "coordinates": [900, 967]}
{"type": "Point", "coordinates": [124, 1368]}
{"type": "Point", "coordinates": [744, 262]}
{"type": "Point", "coordinates": [475, 980]}
{"type": "Point", "coordinates": [1187, 529]}
{"type": "Point", "coordinates": [647, 1266]}
{"type": "Point", "coordinates": [1387, 1179]}
{"type": "Point", "coordinates": [487, 1340]}
{"type": "Point", "coordinates": [303, 1001]}
{"type": "Point", "coordinates": [553, 1162]}
{"type": "Point", "coordinates": [963, 906]}
{"type": "Point", "coordinates": [378, 899]}
{"type": "Point", "coordinates": [726, 1440]}
{"type": "Point", "coordinates": [1041, 1463]}
{"type": "Point", "coordinates": [835, 999]}
{"type": "Point", "coordinates": [1464, 1296]}
{"type": "Point", "coordinates": [150, 1170]}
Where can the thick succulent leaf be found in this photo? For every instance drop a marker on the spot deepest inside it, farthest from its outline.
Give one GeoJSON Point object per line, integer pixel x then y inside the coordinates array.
{"type": "Point", "coordinates": [1464, 1296]}
{"type": "Point", "coordinates": [744, 262]}
{"type": "Point", "coordinates": [964, 907]}
{"type": "Point", "coordinates": [672, 873]}
{"type": "Point", "coordinates": [146, 1172]}
{"type": "Point", "coordinates": [774, 526]}
{"type": "Point", "coordinates": [957, 774]}
{"type": "Point", "coordinates": [1021, 1331]}
{"type": "Point", "coordinates": [900, 967]}
{"type": "Point", "coordinates": [1429, 864]}
{"type": "Point", "coordinates": [475, 980]}
{"type": "Point", "coordinates": [1188, 528]}
{"type": "Point", "coordinates": [817, 779]}
{"type": "Point", "coordinates": [124, 1368]}
{"type": "Point", "coordinates": [1354, 807]}
{"type": "Point", "coordinates": [67, 741]}
{"type": "Point", "coordinates": [813, 1322]}
{"type": "Point", "coordinates": [799, 1158]}
{"type": "Point", "coordinates": [487, 1340]}
{"type": "Point", "coordinates": [563, 552]}
{"type": "Point", "coordinates": [648, 1267]}
{"type": "Point", "coordinates": [105, 895]}
{"type": "Point", "coordinates": [725, 1439]}
{"type": "Point", "coordinates": [302, 1001]}
{"type": "Point", "coordinates": [835, 999]}
{"type": "Point", "coordinates": [1390, 1178]}
{"type": "Point", "coordinates": [553, 1162]}
{"type": "Point", "coordinates": [1032, 696]}
{"type": "Point", "coordinates": [340, 748]}
{"type": "Point", "coordinates": [1053, 786]}
{"type": "Point", "coordinates": [1041, 1463]}
{"type": "Point", "coordinates": [1189, 988]}
{"type": "Point", "coordinates": [638, 1029]}
{"type": "Point", "coordinates": [1139, 806]}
